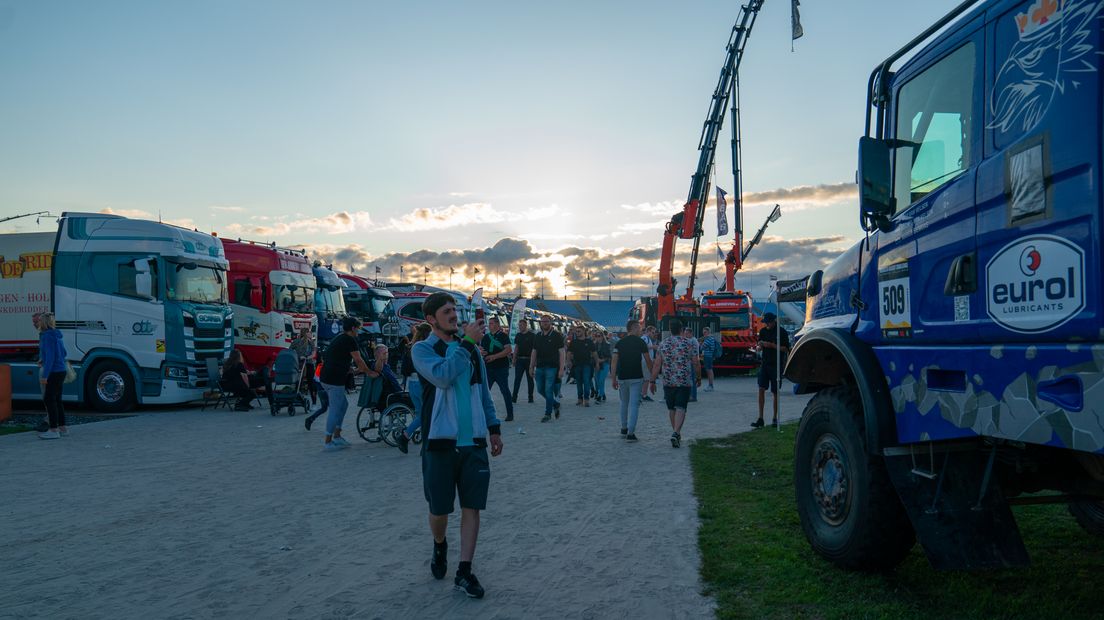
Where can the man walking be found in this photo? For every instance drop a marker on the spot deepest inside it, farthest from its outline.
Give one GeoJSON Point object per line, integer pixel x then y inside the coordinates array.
{"type": "Point", "coordinates": [768, 368]}
{"type": "Point", "coordinates": [335, 369]}
{"type": "Point", "coordinates": [688, 334]}
{"type": "Point", "coordinates": [547, 365]}
{"type": "Point", "coordinates": [630, 355]}
{"type": "Point", "coordinates": [709, 349]}
{"type": "Point", "coordinates": [523, 350]}
{"type": "Point", "coordinates": [583, 359]}
{"type": "Point", "coordinates": [458, 422]}
{"type": "Point", "coordinates": [497, 350]}
{"type": "Point", "coordinates": [677, 359]}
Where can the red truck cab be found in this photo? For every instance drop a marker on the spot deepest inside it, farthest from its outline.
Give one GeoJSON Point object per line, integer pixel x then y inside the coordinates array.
{"type": "Point", "coordinates": [272, 296]}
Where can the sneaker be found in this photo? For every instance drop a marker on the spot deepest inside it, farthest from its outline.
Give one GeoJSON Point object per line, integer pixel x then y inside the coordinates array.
{"type": "Point", "coordinates": [647, 399]}
{"type": "Point", "coordinates": [708, 388]}
{"type": "Point", "coordinates": [515, 400]}
{"type": "Point", "coordinates": [438, 564]}
{"type": "Point", "coordinates": [579, 402]}
{"type": "Point", "coordinates": [630, 437]}
{"type": "Point", "coordinates": [308, 421]}
{"type": "Point", "coordinates": [693, 400]}
{"type": "Point", "coordinates": [49, 435]}
{"type": "Point", "coordinates": [331, 447]}
{"type": "Point", "coordinates": [586, 403]}
{"type": "Point", "coordinates": [774, 424]}
{"type": "Point", "coordinates": [624, 431]}
{"type": "Point", "coordinates": [556, 409]}
{"type": "Point", "coordinates": [469, 585]}
{"type": "Point", "coordinates": [404, 443]}
{"type": "Point", "coordinates": [509, 417]}
{"type": "Point", "coordinates": [341, 442]}
{"type": "Point", "coordinates": [758, 423]}
{"type": "Point", "coordinates": [676, 440]}
{"type": "Point", "coordinates": [547, 418]}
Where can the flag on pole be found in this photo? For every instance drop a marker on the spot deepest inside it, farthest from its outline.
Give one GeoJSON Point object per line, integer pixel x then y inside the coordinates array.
{"type": "Point", "coordinates": [795, 19]}
{"type": "Point", "coordinates": [377, 269]}
{"type": "Point", "coordinates": [477, 272]}
{"type": "Point", "coordinates": [517, 315]}
{"type": "Point", "coordinates": [452, 271]}
{"type": "Point", "coordinates": [722, 213]}
{"type": "Point", "coordinates": [427, 269]}
{"type": "Point", "coordinates": [612, 277]}
{"type": "Point", "coordinates": [720, 252]}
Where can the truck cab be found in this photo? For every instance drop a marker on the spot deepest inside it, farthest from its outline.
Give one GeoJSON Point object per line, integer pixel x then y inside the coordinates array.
{"type": "Point", "coordinates": [140, 305]}
{"type": "Point", "coordinates": [272, 294]}
{"type": "Point", "coordinates": [737, 325]}
{"type": "Point", "coordinates": [374, 306]}
{"type": "Point", "coordinates": [329, 304]}
{"type": "Point", "coordinates": [956, 355]}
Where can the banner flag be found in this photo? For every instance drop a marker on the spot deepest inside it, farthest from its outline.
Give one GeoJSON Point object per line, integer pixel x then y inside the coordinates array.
{"type": "Point", "coordinates": [722, 213]}
{"type": "Point", "coordinates": [516, 317]}
{"type": "Point", "coordinates": [795, 20]}
{"type": "Point", "coordinates": [792, 290]}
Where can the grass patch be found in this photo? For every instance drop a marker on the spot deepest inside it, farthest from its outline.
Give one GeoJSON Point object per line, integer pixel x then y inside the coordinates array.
{"type": "Point", "coordinates": [757, 563]}
{"type": "Point", "coordinates": [16, 428]}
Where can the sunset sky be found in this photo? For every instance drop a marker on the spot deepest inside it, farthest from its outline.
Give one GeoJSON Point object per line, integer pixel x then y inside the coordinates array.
{"type": "Point", "coordinates": [555, 137]}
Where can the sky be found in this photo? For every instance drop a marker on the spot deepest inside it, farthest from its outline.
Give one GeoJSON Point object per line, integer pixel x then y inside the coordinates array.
{"type": "Point", "coordinates": [553, 138]}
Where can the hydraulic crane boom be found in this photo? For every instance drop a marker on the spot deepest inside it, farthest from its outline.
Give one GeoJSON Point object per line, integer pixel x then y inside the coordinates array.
{"type": "Point", "coordinates": [687, 223]}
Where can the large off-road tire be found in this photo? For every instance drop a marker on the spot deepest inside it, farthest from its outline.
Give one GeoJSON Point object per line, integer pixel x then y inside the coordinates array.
{"type": "Point", "coordinates": [1089, 515]}
{"type": "Point", "coordinates": [849, 509]}
{"type": "Point", "coordinates": [109, 387]}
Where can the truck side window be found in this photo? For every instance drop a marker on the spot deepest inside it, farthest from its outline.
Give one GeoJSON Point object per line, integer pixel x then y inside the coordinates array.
{"type": "Point", "coordinates": [934, 121]}
{"type": "Point", "coordinates": [126, 280]}
{"type": "Point", "coordinates": [240, 292]}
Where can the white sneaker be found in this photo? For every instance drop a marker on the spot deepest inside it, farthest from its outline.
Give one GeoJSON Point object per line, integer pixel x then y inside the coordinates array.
{"type": "Point", "coordinates": [49, 435]}
{"type": "Point", "coordinates": [331, 447]}
{"type": "Point", "coordinates": [708, 388]}
{"type": "Point", "coordinates": [341, 442]}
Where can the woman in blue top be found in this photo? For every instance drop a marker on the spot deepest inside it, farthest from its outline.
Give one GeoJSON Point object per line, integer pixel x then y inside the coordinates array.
{"type": "Point", "coordinates": [53, 354]}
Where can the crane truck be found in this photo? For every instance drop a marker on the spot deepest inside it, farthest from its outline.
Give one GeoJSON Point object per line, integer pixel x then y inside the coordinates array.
{"type": "Point", "coordinates": [141, 305]}
{"type": "Point", "coordinates": [956, 354]}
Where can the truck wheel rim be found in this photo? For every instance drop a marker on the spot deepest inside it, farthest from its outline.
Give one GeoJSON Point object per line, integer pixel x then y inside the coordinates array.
{"type": "Point", "coordinates": [110, 386]}
{"type": "Point", "coordinates": [831, 486]}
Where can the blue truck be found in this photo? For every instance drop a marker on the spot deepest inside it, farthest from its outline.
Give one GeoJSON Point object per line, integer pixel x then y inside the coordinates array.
{"type": "Point", "coordinates": [956, 354]}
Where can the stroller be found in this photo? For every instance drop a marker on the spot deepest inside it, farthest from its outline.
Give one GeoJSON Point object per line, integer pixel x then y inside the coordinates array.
{"type": "Point", "coordinates": [288, 384]}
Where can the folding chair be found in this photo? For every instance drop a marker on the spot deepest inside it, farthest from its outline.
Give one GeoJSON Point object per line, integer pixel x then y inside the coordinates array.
{"type": "Point", "coordinates": [215, 394]}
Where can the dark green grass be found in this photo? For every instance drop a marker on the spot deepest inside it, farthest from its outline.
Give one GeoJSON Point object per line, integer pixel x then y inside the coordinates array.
{"type": "Point", "coordinates": [757, 563]}
{"type": "Point", "coordinates": [8, 430]}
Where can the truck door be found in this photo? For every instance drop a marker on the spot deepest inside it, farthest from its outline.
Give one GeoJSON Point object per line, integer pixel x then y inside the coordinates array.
{"type": "Point", "coordinates": [927, 288]}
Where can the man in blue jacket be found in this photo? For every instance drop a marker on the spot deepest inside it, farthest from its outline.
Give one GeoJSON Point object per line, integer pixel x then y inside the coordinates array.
{"type": "Point", "coordinates": [458, 421]}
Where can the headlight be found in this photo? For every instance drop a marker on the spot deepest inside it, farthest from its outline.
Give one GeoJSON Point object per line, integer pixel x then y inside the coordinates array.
{"type": "Point", "coordinates": [176, 372]}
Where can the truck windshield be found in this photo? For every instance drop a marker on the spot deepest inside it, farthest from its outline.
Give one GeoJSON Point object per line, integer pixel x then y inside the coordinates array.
{"type": "Point", "coordinates": [197, 283]}
{"type": "Point", "coordinates": [328, 299]}
{"type": "Point", "coordinates": [734, 320]}
{"type": "Point", "coordinates": [369, 307]}
{"type": "Point", "coordinates": [292, 298]}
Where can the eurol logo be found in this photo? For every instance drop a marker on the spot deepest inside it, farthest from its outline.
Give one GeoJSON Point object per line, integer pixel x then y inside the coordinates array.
{"type": "Point", "coordinates": [1036, 284]}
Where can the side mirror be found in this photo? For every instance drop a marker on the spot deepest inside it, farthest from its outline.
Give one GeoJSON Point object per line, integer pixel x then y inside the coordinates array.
{"type": "Point", "coordinates": [815, 281]}
{"type": "Point", "coordinates": [143, 279]}
{"type": "Point", "coordinates": [875, 201]}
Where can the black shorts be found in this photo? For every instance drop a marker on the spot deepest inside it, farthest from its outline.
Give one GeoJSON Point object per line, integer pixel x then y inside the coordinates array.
{"type": "Point", "coordinates": [446, 471]}
{"type": "Point", "coordinates": [768, 379]}
{"type": "Point", "coordinates": [676, 396]}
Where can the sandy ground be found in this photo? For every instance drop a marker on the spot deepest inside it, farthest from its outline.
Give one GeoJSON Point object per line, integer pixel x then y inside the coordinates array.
{"type": "Point", "coordinates": [189, 514]}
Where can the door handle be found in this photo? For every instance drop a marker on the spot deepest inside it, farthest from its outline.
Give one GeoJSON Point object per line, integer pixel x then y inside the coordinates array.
{"type": "Point", "coordinates": [962, 277]}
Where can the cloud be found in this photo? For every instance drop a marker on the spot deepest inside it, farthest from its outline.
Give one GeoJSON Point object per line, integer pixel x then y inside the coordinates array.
{"type": "Point", "coordinates": [333, 224]}
{"type": "Point", "coordinates": [454, 216]}
{"type": "Point", "coordinates": [809, 194]}
{"type": "Point", "coordinates": [563, 271]}
{"type": "Point", "coordinates": [227, 209]}
{"type": "Point", "coordinates": [667, 208]}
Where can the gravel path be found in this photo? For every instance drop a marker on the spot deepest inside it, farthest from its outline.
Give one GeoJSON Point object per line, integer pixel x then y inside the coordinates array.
{"type": "Point", "coordinates": [187, 514]}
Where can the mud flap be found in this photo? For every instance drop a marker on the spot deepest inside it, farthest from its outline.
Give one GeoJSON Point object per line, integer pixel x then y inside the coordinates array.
{"type": "Point", "coordinates": [957, 531]}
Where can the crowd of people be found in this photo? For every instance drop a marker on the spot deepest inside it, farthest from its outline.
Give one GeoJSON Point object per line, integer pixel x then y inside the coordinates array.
{"type": "Point", "coordinates": [449, 370]}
